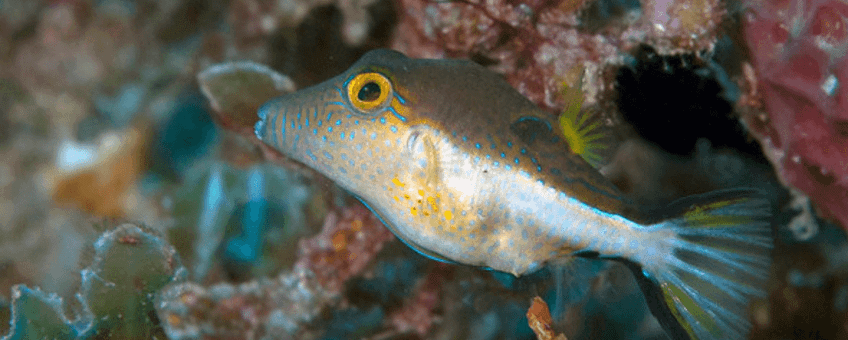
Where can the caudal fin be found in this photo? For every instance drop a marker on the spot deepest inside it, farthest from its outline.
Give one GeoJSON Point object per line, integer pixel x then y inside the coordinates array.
{"type": "Point", "coordinates": [715, 258]}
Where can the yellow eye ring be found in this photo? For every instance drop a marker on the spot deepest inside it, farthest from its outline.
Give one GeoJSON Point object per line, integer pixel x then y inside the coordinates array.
{"type": "Point", "coordinates": [368, 90]}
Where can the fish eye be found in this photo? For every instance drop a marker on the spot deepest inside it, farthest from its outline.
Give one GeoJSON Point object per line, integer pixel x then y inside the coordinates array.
{"type": "Point", "coordinates": [369, 90]}
{"type": "Point", "coordinates": [369, 93]}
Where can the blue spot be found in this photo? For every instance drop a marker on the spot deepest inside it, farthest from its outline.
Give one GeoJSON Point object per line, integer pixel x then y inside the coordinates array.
{"type": "Point", "coordinates": [508, 167]}
{"type": "Point", "coordinates": [327, 155]}
{"type": "Point", "coordinates": [534, 160]}
{"type": "Point", "coordinates": [516, 160]}
{"type": "Point", "coordinates": [342, 170]}
{"type": "Point", "coordinates": [329, 115]}
{"type": "Point", "coordinates": [496, 164]}
{"type": "Point", "coordinates": [349, 116]}
{"type": "Point", "coordinates": [341, 135]}
{"type": "Point", "coordinates": [393, 128]}
{"type": "Point", "coordinates": [477, 145]}
{"type": "Point", "coordinates": [300, 127]}
{"type": "Point", "coordinates": [330, 129]}
{"type": "Point", "coordinates": [307, 121]}
{"type": "Point", "coordinates": [356, 122]}
{"type": "Point", "coordinates": [493, 146]}
{"type": "Point", "coordinates": [477, 159]}
{"type": "Point", "coordinates": [464, 138]}
{"type": "Point", "coordinates": [383, 120]}
{"type": "Point", "coordinates": [453, 133]}
{"type": "Point", "coordinates": [352, 134]}
{"type": "Point", "coordinates": [524, 234]}
{"type": "Point", "coordinates": [539, 168]}
{"type": "Point", "coordinates": [503, 155]}
{"type": "Point", "coordinates": [320, 123]}
{"type": "Point", "coordinates": [488, 156]}
{"type": "Point", "coordinates": [338, 122]}
{"type": "Point", "coordinates": [523, 151]}
{"type": "Point", "coordinates": [343, 156]}
{"type": "Point", "coordinates": [373, 135]}
{"type": "Point", "coordinates": [310, 154]}
{"type": "Point", "coordinates": [509, 144]}
{"type": "Point", "coordinates": [314, 131]}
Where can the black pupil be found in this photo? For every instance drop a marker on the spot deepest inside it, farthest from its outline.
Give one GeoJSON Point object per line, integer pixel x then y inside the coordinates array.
{"type": "Point", "coordinates": [369, 92]}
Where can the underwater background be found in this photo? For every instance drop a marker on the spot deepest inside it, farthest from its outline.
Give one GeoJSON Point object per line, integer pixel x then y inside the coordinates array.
{"type": "Point", "coordinates": [133, 207]}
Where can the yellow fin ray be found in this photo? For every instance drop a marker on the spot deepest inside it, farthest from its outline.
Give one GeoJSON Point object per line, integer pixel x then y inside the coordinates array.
{"type": "Point", "coordinates": [582, 128]}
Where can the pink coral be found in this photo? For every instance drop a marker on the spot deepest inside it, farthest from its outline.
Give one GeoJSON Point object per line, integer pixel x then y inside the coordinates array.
{"type": "Point", "coordinates": [540, 44]}
{"type": "Point", "coordinates": [799, 54]}
{"type": "Point", "coordinates": [346, 244]}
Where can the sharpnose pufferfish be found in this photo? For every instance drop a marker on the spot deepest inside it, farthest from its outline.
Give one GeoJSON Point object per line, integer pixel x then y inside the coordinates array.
{"type": "Point", "coordinates": [464, 169]}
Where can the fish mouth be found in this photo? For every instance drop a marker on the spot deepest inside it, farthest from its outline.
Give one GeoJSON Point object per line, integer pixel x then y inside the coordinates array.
{"type": "Point", "coordinates": [259, 127]}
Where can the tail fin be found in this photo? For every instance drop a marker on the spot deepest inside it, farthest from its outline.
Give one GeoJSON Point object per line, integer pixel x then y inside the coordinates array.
{"type": "Point", "coordinates": [718, 258]}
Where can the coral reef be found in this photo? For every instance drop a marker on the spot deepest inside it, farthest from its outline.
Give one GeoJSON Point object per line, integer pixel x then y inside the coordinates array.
{"type": "Point", "coordinates": [287, 303]}
{"type": "Point", "coordinates": [796, 98]}
{"type": "Point", "coordinates": [540, 320]}
{"type": "Point", "coordinates": [129, 265]}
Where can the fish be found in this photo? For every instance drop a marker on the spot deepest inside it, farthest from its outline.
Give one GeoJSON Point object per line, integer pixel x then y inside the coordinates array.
{"type": "Point", "coordinates": [464, 169]}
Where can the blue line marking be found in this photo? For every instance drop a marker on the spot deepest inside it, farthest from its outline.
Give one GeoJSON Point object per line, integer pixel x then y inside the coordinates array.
{"type": "Point", "coordinates": [274, 127]}
{"type": "Point", "coordinates": [394, 112]}
{"type": "Point", "coordinates": [283, 126]}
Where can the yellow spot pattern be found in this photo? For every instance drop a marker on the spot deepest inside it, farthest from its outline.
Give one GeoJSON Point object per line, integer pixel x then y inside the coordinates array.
{"type": "Point", "coordinates": [397, 182]}
{"type": "Point", "coordinates": [448, 215]}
